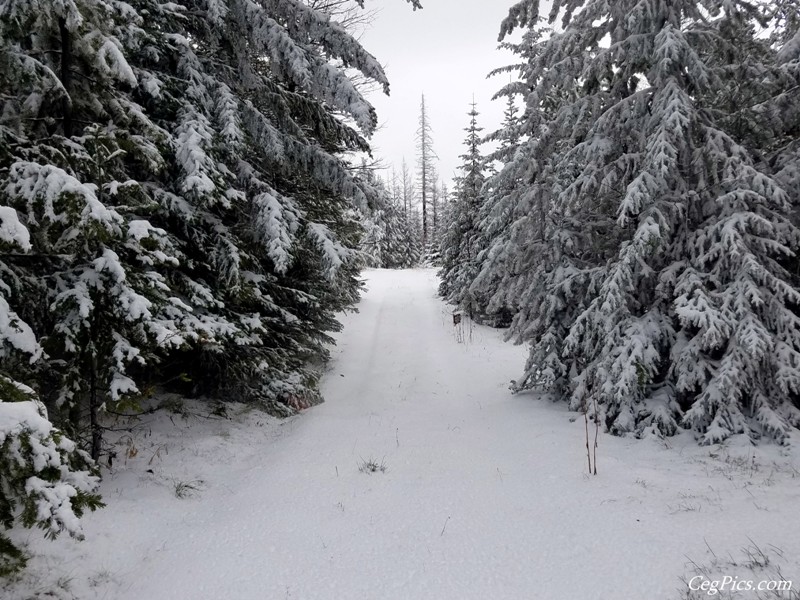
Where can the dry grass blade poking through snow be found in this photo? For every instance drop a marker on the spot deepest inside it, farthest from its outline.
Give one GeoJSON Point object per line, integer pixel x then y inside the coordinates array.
{"type": "Point", "coordinates": [754, 575]}
{"type": "Point", "coordinates": [372, 466]}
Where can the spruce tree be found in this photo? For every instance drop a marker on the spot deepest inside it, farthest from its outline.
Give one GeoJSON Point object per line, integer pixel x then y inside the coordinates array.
{"type": "Point", "coordinates": [413, 224]}
{"type": "Point", "coordinates": [78, 147]}
{"type": "Point", "coordinates": [462, 239]}
{"type": "Point", "coordinates": [173, 206]}
{"type": "Point", "coordinates": [494, 219]}
{"type": "Point", "coordinates": [649, 254]}
{"type": "Point", "coordinates": [177, 200]}
{"type": "Point", "coordinates": [274, 196]}
{"type": "Point", "coordinates": [400, 236]}
{"type": "Point", "coordinates": [434, 256]}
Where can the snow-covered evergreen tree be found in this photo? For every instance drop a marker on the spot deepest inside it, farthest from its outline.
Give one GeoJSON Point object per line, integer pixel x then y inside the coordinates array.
{"type": "Point", "coordinates": [461, 241]}
{"type": "Point", "coordinates": [434, 254]}
{"type": "Point", "coordinates": [382, 241]}
{"type": "Point", "coordinates": [45, 479]}
{"type": "Point", "coordinates": [495, 217]}
{"type": "Point", "coordinates": [413, 224]}
{"type": "Point", "coordinates": [267, 201]}
{"type": "Point", "coordinates": [648, 249]}
{"type": "Point", "coordinates": [174, 194]}
{"type": "Point", "coordinates": [396, 242]}
{"type": "Point", "coordinates": [388, 241]}
{"type": "Point", "coordinates": [172, 201]}
{"type": "Point", "coordinates": [85, 274]}
{"type": "Point", "coordinates": [373, 240]}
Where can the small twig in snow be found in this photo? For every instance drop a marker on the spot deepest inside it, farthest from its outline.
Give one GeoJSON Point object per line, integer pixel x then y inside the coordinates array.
{"type": "Point", "coordinates": [709, 548]}
{"type": "Point", "coordinates": [445, 526]}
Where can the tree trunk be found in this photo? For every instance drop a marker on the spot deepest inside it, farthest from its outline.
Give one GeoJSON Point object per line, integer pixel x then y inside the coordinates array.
{"type": "Point", "coordinates": [424, 199]}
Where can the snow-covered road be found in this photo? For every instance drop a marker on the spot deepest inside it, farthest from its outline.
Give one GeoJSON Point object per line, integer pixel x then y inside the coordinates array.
{"type": "Point", "coordinates": [484, 495]}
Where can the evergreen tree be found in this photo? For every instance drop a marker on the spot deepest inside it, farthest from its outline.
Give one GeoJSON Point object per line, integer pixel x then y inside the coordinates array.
{"type": "Point", "coordinates": [397, 236]}
{"type": "Point", "coordinates": [45, 479]}
{"type": "Point", "coordinates": [373, 240]}
{"type": "Point", "coordinates": [413, 224]}
{"type": "Point", "coordinates": [268, 223]}
{"type": "Point", "coordinates": [386, 240]}
{"type": "Point", "coordinates": [76, 147]}
{"type": "Point", "coordinates": [650, 246]}
{"type": "Point", "coordinates": [173, 202]}
{"type": "Point", "coordinates": [462, 240]}
{"type": "Point", "coordinates": [434, 256]}
{"type": "Point", "coordinates": [495, 219]}
{"type": "Point", "coordinates": [396, 247]}
{"type": "Point", "coordinates": [175, 199]}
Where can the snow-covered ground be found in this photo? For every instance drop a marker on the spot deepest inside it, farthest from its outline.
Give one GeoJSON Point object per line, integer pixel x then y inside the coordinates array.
{"type": "Point", "coordinates": [477, 494]}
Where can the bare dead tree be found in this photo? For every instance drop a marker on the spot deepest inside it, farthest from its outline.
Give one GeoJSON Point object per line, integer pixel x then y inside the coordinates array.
{"type": "Point", "coordinates": [425, 166]}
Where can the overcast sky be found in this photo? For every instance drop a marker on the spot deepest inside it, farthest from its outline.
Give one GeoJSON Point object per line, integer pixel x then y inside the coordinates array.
{"type": "Point", "coordinates": [446, 51]}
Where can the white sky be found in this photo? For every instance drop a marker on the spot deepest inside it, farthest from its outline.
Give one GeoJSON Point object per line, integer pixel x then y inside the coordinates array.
{"type": "Point", "coordinates": [446, 51]}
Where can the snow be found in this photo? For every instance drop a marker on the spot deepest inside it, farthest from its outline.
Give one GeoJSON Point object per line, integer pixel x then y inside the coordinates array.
{"type": "Point", "coordinates": [485, 495]}
{"type": "Point", "coordinates": [139, 229]}
{"type": "Point", "coordinates": [16, 416]}
{"type": "Point", "coordinates": [276, 224]}
{"type": "Point", "coordinates": [333, 253]}
{"type": "Point", "coordinates": [111, 60]}
{"type": "Point", "coordinates": [47, 183]}
{"type": "Point", "coordinates": [29, 440]}
{"type": "Point", "coordinates": [11, 230]}
{"type": "Point", "coordinates": [194, 137]}
{"type": "Point", "coordinates": [16, 333]}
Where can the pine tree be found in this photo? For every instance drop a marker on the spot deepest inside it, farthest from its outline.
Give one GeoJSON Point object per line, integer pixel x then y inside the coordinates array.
{"type": "Point", "coordinates": [434, 256]}
{"type": "Point", "coordinates": [381, 242]}
{"type": "Point", "coordinates": [373, 240]}
{"type": "Point", "coordinates": [400, 246]}
{"type": "Point", "coordinates": [171, 194]}
{"type": "Point", "coordinates": [495, 219]}
{"type": "Point", "coordinates": [649, 252]}
{"type": "Point", "coordinates": [413, 225]}
{"type": "Point", "coordinates": [462, 240]}
{"type": "Point", "coordinates": [398, 241]}
{"type": "Point", "coordinates": [173, 205]}
{"type": "Point", "coordinates": [279, 236]}
{"type": "Point", "coordinates": [45, 479]}
{"type": "Point", "coordinates": [77, 146]}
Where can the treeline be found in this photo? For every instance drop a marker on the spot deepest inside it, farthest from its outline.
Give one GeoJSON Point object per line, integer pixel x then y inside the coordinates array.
{"type": "Point", "coordinates": [642, 233]}
{"type": "Point", "coordinates": [406, 225]}
{"type": "Point", "coordinates": [175, 212]}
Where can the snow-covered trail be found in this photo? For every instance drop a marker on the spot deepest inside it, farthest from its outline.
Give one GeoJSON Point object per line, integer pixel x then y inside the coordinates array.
{"type": "Point", "coordinates": [442, 520]}
{"type": "Point", "coordinates": [485, 495]}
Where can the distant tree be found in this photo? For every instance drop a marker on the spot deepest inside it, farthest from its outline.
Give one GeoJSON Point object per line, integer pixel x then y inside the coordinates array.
{"type": "Point", "coordinates": [494, 221]}
{"type": "Point", "coordinates": [407, 188]}
{"type": "Point", "coordinates": [426, 169]}
{"type": "Point", "coordinates": [433, 256]}
{"type": "Point", "coordinates": [413, 224]}
{"type": "Point", "coordinates": [461, 241]}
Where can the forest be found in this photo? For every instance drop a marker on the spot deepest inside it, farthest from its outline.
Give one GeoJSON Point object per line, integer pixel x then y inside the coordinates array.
{"type": "Point", "coordinates": [189, 198]}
